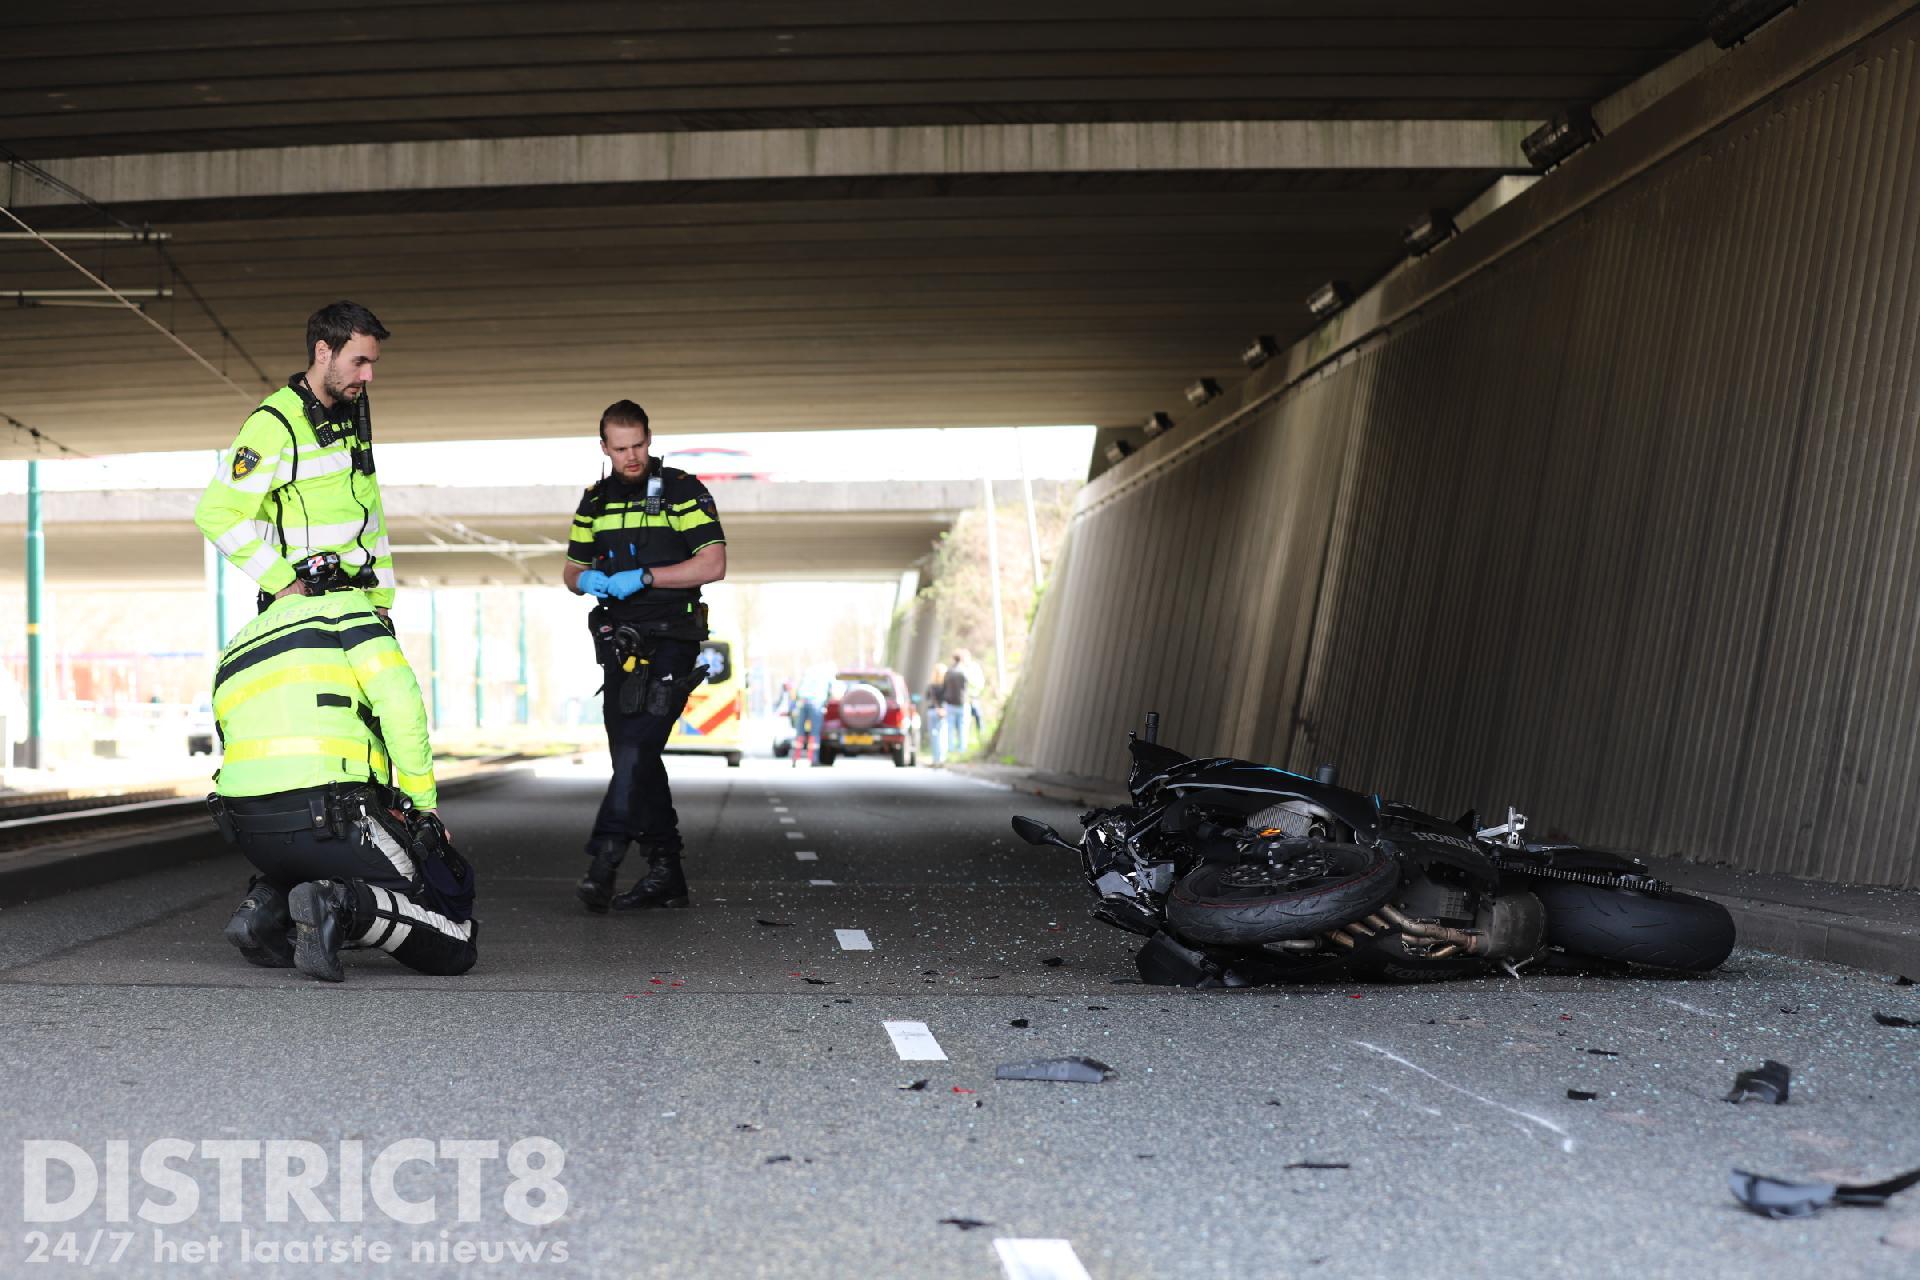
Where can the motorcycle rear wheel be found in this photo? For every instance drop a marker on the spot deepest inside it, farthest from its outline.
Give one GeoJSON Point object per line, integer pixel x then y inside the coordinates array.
{"type": "Point", "coordinates": [1322, 886]}
{"type": "Point", "coordinates": [1665, 931]}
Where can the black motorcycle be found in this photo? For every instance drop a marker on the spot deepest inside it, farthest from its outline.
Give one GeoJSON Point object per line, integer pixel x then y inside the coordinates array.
{"type": "Point", "coordinates": [1239, 873]}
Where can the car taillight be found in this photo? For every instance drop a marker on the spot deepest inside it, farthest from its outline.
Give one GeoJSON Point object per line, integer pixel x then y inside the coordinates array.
{"type": "Point", "coordinates": [832, 711]}
{"type": "Point", "coordinates": [892, 719]}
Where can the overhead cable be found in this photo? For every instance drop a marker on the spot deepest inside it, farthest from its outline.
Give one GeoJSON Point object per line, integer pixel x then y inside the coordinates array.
{"type": "Point", "coordinates": [143, 232]}
{"type": "Point", "coordinates": [170, 335]}
{"type": "Point", "coordinates": [40, 437]}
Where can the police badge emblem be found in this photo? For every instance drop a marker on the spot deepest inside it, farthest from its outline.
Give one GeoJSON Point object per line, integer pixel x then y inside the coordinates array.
{"type": "Point", "coordinates": [244, 461]}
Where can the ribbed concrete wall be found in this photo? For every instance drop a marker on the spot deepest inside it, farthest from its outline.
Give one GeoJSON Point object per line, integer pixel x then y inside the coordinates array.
{"type": "Point", "coordinates": [1624, 531]}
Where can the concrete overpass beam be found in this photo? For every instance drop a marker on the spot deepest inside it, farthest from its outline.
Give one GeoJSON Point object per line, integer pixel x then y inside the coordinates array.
{"type": "Point", "coordinates": [761, 154]}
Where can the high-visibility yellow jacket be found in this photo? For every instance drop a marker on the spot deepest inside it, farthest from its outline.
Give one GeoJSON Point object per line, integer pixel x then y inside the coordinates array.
{"type": "Point", "coordinates": [316, 690]}
{"type": "Point", "coordinates": [289, 487]}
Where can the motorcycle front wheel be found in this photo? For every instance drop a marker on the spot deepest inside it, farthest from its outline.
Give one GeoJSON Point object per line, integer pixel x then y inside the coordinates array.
{"type": "Point", "coordinates": [1664, 930]}
{"type": "Point", "coordinates": [1307, 888]}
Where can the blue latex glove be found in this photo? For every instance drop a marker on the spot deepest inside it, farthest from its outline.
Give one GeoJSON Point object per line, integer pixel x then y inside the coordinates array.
{"type": "Point", "coordinates": [629, 583]}
{"type": "Point", "coordinates": [593, 582]}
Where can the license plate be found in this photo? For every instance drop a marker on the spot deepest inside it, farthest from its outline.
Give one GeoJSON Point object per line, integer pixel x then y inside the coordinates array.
{"type": "Point", "coordinates": [858, 739]}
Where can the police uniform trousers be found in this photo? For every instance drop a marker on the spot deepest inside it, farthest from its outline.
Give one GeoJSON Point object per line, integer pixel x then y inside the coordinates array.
{"type": "Point", "coordinates": [370, 853]}
{"type": "Point", "coordinates": [638, 805]}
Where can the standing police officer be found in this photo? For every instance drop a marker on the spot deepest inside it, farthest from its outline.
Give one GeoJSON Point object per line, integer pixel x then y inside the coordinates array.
{"type": "Point", "coordinates": [645, 540]}
{"type": "Point", "coordinates": [299, 478]}
{"type": "Point", "coordinates": [315, 704]}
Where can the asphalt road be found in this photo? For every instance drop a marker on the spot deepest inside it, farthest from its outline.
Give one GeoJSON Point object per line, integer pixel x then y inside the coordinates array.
{"type": "Point", "coordinates": [727, 1101]}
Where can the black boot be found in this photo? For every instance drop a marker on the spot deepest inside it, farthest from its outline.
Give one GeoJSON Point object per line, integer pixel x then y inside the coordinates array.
{"type": "Point", "coordinates": [261, 928]}
{"type": "Point", "coordinates": [664, 885]}
{"type": "Point", "coordinates": [323, 919]}
{"type": "Point", "coordinates": [596, 887]}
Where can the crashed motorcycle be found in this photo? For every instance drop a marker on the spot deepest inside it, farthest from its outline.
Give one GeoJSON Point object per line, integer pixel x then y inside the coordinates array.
{"type": "Point", "coordinates": [1239, 873]}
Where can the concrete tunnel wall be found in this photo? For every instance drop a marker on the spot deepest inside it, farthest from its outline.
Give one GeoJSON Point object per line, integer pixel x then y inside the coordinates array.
{"type": "Point", "coordinates": [1623, 531]}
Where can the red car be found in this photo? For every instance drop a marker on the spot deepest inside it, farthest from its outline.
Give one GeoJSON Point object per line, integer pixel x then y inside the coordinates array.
{"type": "Point", "coordinates": [870, 713]}
{"type": "Point", "coordinates": [713, 463]}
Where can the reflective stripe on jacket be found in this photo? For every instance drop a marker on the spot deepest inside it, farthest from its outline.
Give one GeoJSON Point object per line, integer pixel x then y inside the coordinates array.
{"type": "Point", "coordinates": [280, 495]}
{"type": "Point", "coordinates": [316, 690]}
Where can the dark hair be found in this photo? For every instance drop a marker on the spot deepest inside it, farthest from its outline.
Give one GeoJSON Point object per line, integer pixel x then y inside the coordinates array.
{"type": "Point", "coordinates": [335, 325]}
{"type": "Point", "coordinates": [627, 412]}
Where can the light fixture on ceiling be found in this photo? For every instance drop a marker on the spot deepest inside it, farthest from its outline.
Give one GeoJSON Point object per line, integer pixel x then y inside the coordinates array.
{"type": "Point", "coordinates": [1559, 138]}
{"type": "Point", "coordinates": [1259, 351]}
{"type": "Point", "coordinates": [1201, 390]}
{"type": "Point", "coordinates": [1429, 231]}
{"type": "Point", "coordinates": [1158, 424]}
{"type": "Point", "coordinates": [1330, 298]}
{"type": "Point", "coordinates": [1117, 452]}
{"type": "Point", "coordinates": [1734, 20]}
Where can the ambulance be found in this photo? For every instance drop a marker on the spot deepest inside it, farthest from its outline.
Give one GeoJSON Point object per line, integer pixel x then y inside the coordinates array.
{"type": "Point", "coordinates": [714, 720]}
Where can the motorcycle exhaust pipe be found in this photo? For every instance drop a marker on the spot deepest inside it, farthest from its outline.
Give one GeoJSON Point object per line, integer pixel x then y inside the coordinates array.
{"type": "Point", "coordinates": [1474, 944]}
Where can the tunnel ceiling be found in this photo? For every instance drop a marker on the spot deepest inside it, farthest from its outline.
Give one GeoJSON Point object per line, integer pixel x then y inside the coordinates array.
{"type": "Point", "coordinates": [877, 297]}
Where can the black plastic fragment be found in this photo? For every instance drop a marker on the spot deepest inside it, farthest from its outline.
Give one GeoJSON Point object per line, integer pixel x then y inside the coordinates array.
{"type": "Point", "coordinates": [1903, 981]}
{"type": "Point", "coordinates": [778, 1160]}
{"type": "Point", "coordinates": [1074, 1070]}
{"type": "Point", "coordinates": [1020, 1022]}
{"type": "Point", "coordinates": [1765, 1083]}
{"type": "Point", "coordinates": [818, 982]}
{"type": "Point", "coordinates": [773, 924]}
{"type": "Point", "coordinates": [1888, 1020]}
{"type": "Point", "coordinates": [747, 1128]}
{"type": "Point", "coordinates": [1053, 962]}
{"type": "Point", "coordinates": [916, 1087]}
{"type": "Point", "coordinates": [1581, 1095]}
{"type": "Point", "coordinates": [1604, 1053]}
{"type": "Point", "coordinates": [1317, 1164]}
{"type": "Point", "coordinates": [965, 1224]}
{"type": "Point", "coordinates": [1778, 1198]}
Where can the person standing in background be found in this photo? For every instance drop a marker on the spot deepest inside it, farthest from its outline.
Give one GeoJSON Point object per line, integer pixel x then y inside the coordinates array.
{"type": "Point", "coordinates": [930, 712]}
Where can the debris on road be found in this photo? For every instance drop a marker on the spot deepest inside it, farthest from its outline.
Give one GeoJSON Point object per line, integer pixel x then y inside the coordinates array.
{"type": "Point", "coordinates": [1888, 1020]}
{"type": "Point", "coordinates": [1317, 1164]}
{"type": "Point", "coordinates": [916, 1087]}
{"type": "Point", "coordinates": [746, 1128]}
{"type": "Point", "coordinates": [965, 1224]}
{"type": "Point", "coordinates": [1053, 962]}
{"type": "Point", "coordinates": [773, 924]}
{"type": "Point", "coordinates": [1765, 1083]}
{"type": "Point", "coordinates": [1075, 1070]}
{"type": "Point", "coordinates": [1778, 1198]}
{"type": "Point", "coordinates": [1581, 1095]}
{"type": "Point", "coordinates": [1604, 1053]}
{"type": "Point", "coordinates": [1022, 1023]}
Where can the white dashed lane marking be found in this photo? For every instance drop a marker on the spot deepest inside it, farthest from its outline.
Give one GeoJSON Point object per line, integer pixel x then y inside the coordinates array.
{"type": "Point", "coordinates": [806, 855]}
{"type": "Point", "coordinates": [1040, 1260]}
{"type": "Point", "coordinates": [853, 939]}
{"type": "Point", "coordinates": [914, 1043]}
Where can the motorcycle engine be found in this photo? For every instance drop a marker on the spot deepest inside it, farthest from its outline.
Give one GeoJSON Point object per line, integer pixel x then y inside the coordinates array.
{"type": "Point", "coordinates": [1295, 819]}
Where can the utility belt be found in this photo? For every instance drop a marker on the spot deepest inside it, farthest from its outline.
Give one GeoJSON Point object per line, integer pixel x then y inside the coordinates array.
{"type": "Point", "coordinates": [323, 572]}
{"type": "Point", "coordinates": [442, 879]}
{"type": "Point", "coordinates": [627, 652]}
{"type": "Point", "coordinates": [336, 810]}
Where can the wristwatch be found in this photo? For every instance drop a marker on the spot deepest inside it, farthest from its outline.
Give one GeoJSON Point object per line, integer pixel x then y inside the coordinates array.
{"type": "Point", "coordinates": [646, 577]}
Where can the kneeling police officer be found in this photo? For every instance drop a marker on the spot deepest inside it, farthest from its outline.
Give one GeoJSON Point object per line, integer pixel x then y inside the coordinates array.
{"type": "Point", "coordinates": [317, 709]}
{"type": "Point", "coordinates": [644, 541]}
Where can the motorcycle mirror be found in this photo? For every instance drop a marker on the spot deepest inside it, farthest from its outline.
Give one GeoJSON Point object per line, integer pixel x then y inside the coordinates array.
{"type": "Point", "coordinates": [1034, 831]}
